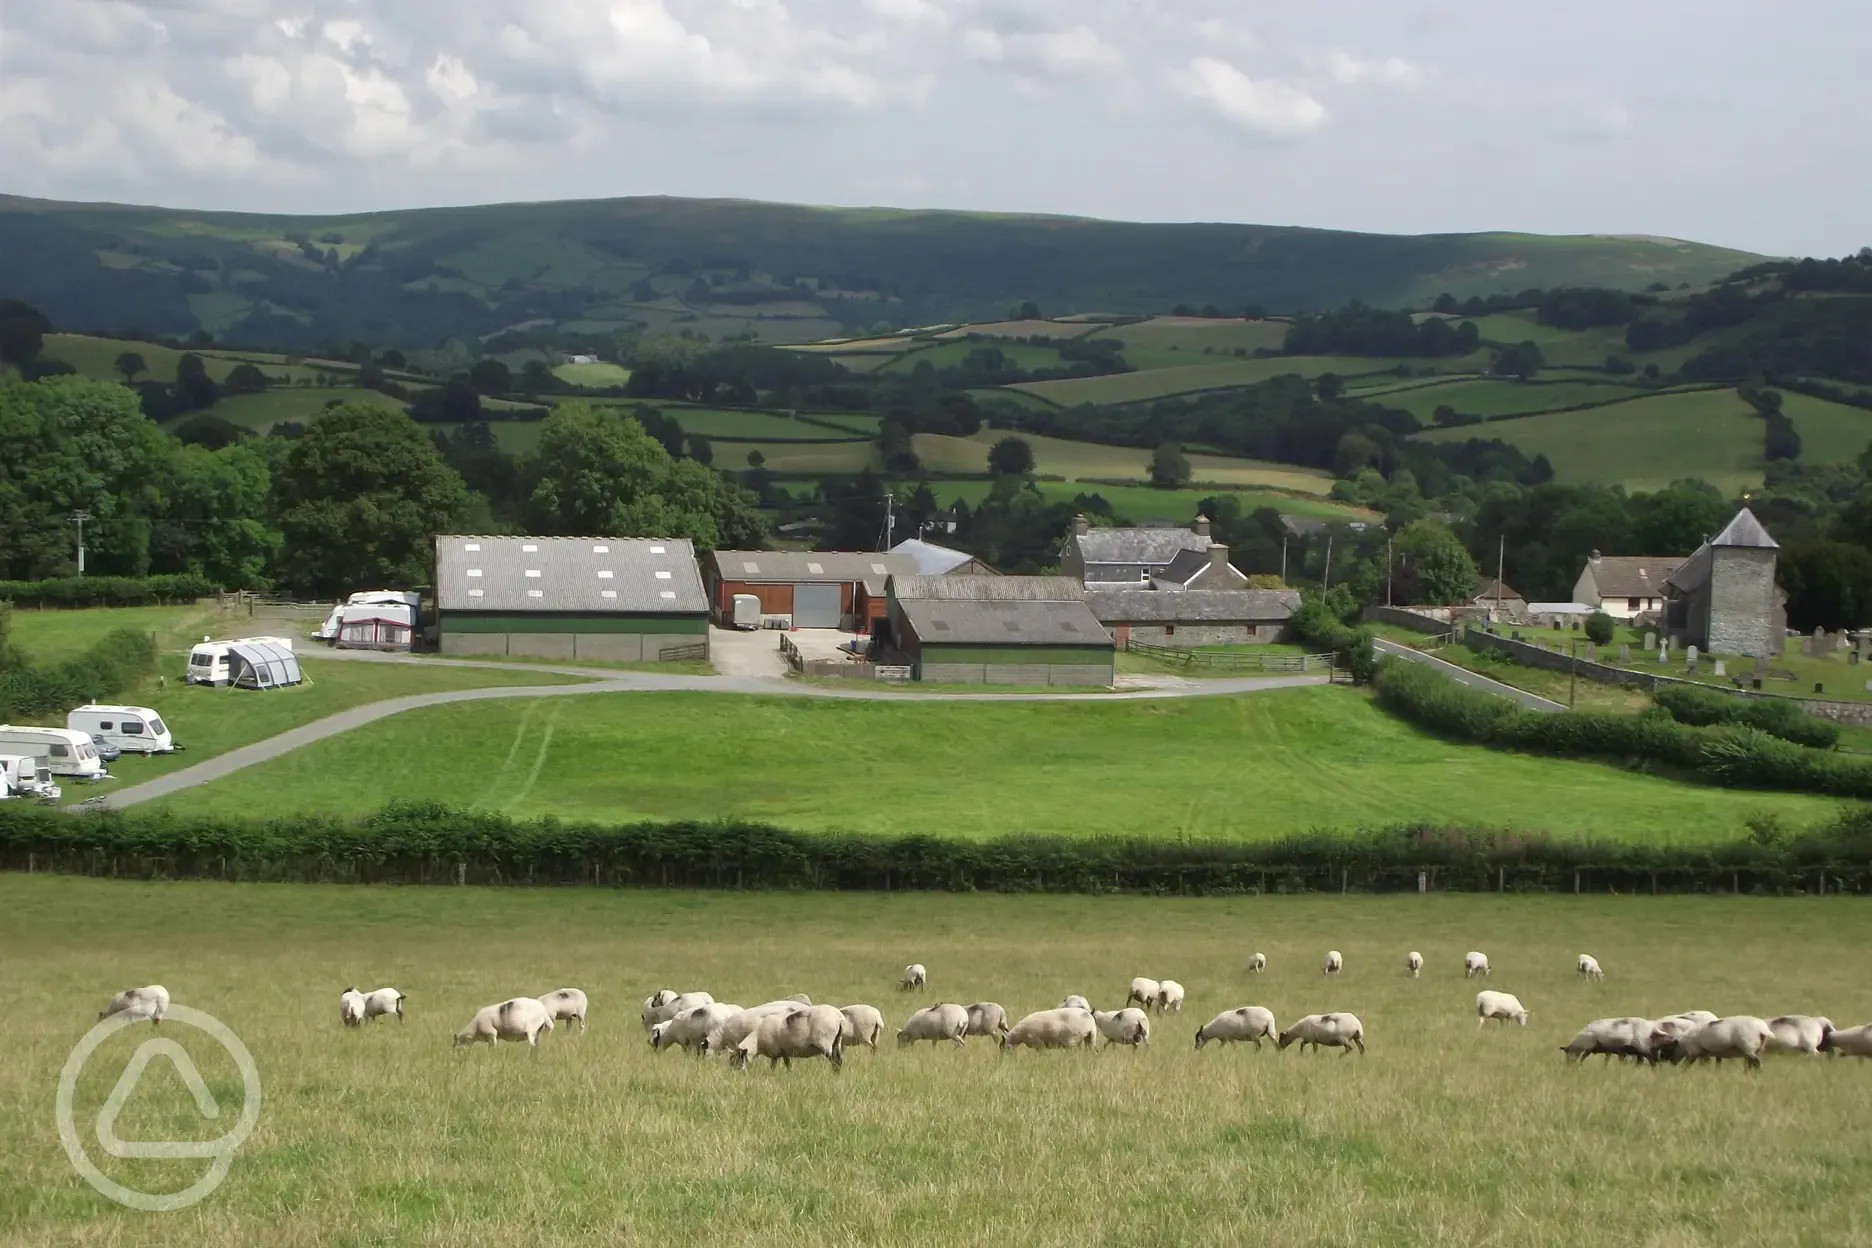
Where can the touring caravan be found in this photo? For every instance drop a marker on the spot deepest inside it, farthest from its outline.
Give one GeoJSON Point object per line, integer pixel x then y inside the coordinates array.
{"type": "Point", "coordinates": [376, 626]}
{"type": "Point", "coordinates": [22, 775]}
{"type": "Point", "coordinates": [208, 662]}
{"type": "Point", "coordinates": [333, 628]}
{"type": "Point", "coordinates": [747, 611]}
{"type": "Point", "coordinates": [61, 750]}
{"type": "Point", "coordinates": [132, 729]}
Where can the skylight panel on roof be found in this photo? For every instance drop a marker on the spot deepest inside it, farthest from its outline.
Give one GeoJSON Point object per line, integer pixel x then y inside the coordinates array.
{"type": "Point", "coordinates": [536, 593]}
{"type": "Point", "coordinates": [601, 550]}
{"type": "Point", "coordinates": [749, 566]}
{"type": "Point", "coordinates": [472, 546]}
{"type": "Point", "coordinates": [474, 571]}
{"type": "Point", "coordinates": [607, 593]}
{"type": "Point", "coordinates": [530, 548]}
{"type": "Point", "coordinates": [605, 574]}
{"type": "Point", "coordinates": [879, 568]}
{"type": "Point", "coordinates": [664, 574]}
{"type": "Point", "coordinates": [477, 593]}
{"type": "Point", "coordinates": [817, 569]}
{"type": "Point", "coordinates": [533, 572]}
{"type": "Point", "coordinates": [669, 593]}
{"type": "Point", "coordinates": [658, 550]}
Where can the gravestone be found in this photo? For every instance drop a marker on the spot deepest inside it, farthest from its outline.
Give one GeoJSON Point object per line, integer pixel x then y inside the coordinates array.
{"type": "Point", "coordinates": [1650, 642]}
{"type": "Point", "coordinates": [1592, 652]}
{"type": "Point", "coordinates": [1852, 656]}
{"type": "Point", "coordinates": [1690, 658]}
{"type": "Point", "coordinates": [1869, 686]}
{"type": "Point", "coordinates": [1721, 668]}
{"type": "Point", "coordinates": [1819, 643]}
{"type": "Point", "coordinates": [1843, 642]}
{"type": "Point", "coordinates": [1624, 652]}
{"type": "Point", "coordinates": [1807, 647]}
{"type": "Point", "coordinates": [1663, 651]}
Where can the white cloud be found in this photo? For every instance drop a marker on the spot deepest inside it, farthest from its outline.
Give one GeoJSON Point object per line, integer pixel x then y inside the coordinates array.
{"type": "Point", "coordinates": [1274, 109]}
{"type": "Point", "coordinates": [1349, 70]}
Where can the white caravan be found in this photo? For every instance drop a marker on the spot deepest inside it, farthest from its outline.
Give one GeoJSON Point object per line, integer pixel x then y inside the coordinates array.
{"type": "Point", "coordinates": [22, 775]}
{"type": "Point", "coordinates": [208, 662]}
{"type": "Point", "coordinates": [747, 611]}
{"type": "Point", "coordinates": [333, 626]}
{"type": "Point", "coordinates": [132, 729]}
{"type": "Point", "coordinates": [63, 751]}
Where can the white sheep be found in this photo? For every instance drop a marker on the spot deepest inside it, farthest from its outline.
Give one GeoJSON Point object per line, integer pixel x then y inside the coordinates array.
{"type": "Point", "coordinates": [1127, 1026]}
{"type": "Point", "coordinates": [863, 1025]}
{"type": "Point", "coordinates": [665, 1004]}
{"type": "Point", "coordinates": [1849, 1041]}
{"type": "Point", "coordinates": [1797, 1033]}
{"type": "Point", "coordinates": [1474, 963]}
{"type": "Point", "coordinates": [690, 1029]}
{"type": "Point", "coordinates": [1413, 964]}
{"type": "Point", "coordinates": [1074, 1002]}
{"type": "Point", "coordinates": [1257, 962]}
{"type": "Point", "coordinates": [566, 1004]}
{"type": "Point", "coordinates": [1332, 1031]}
{"type": "Point", "coordinates": [1500, 1006]}
{"type": "Point", "coordinates": [741, 1024]}
{"type": "Point", "coordinates": [1334, 963]}
{"type": "Point", "coordinates": [1245, 1023]}
{"type": "Point", "coordinates": [351, 1007]}
{"type": "Point", "coordinates": [1169, 997]}
{"type": "Point", "coordinates": [383, 1001]}
{"type": "Point", "coordinates": [1742, 1036]}
{"type": "Point", "coordinates": [987, 1018]}
{"type": "Point", "coordinates": [150, 1002]}
{"type": "Point", "coordinates": [520, 1018]}
{"type": "Point", "coordinates": [1052, 1029]}
{"type": "Point", "coordinates": [800, 998]}
{"type": "Point", "coordinates": [807, 1031]}
{"type": "Point", "coordinates": [1143, 992]}
{"type": "Point", "coordinates": [1589, 967]}
{"type": "Point", "coordinates": [935, 1023]}
{"type": "Point", "coordinates": [1664, 1030]}
{"type": "Point", "coordinates": [1612, 1037]}
{"type": "Point", "coordinates": [914, 978]}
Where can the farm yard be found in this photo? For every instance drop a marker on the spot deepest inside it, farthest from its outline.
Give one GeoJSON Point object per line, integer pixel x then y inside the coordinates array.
{"type": "Point", "coordinates": [1439, 1134]}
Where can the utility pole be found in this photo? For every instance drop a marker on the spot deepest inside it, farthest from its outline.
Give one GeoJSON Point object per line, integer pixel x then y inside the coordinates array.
{"type": "Point", "coordinates": [890, 519]}
{"type": "Point", "coordinates": [1501, 562]}
{"type": "Point", "coordinates": [79, 517]}
{"type": "Point", "coordinates": [1387, 570]}
{"type": "Point", "coordinates": [1283, 558]}
{"type": "Point", "coordinates": [1328, 581]}
{"type": "Point", "coordinates": [1572, 672]}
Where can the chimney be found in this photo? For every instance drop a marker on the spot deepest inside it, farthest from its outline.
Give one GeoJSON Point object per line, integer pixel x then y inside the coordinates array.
{"type": "Point", "coordinates": [1596, 556]}
{"type": "Point", "coordinates": [1201, 527]}
{"type": "Point", "coordinates": [1081, 526]}
{"type": "Point", "coordinates": [1218, 557]}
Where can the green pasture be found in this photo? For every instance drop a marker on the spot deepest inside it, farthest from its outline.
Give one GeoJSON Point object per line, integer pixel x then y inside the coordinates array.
{"type": "Point", "coordinates": [1440, 1134]}
{"type": "Point", "coordinates": [97, 357]}
{"type": "Point", "coordinates": [1577, 348]}
{"type": "Point", "coordinates": [1079, 461]}
{"type": "Point", "coordinates": [1140, 503]}
{"type": "Point", "coordinates": [262, 410]}
{"type": "Point", "coordinates": [949, 354]}
{"type": "Point", "coordinates": [593, 376]}
{"type": "Point", "coordinates": [1182, 341]}
{"type": "Point", "coordinates": [1162, 383]}
{"type": "Point", "coordinates": [54, 636]}
{"type": "Point", "coordinates": [1498, 397]}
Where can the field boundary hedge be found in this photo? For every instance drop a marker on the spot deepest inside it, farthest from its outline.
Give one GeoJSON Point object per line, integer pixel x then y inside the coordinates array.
{"type": "Point", "coordinates": [120, 661]}
{"type": "Point", "coordinates": [433, 844]}
{"type": "Point", "coordinates": [108, 591]}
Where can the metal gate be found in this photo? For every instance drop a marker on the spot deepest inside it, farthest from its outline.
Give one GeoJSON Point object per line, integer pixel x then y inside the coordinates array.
{"type": "Point", "coordinates": [816, 606]}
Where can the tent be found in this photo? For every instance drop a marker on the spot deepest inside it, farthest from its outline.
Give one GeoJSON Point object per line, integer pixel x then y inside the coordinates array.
{"type": "Point", "coordinates": [261, 665]}
{"type": "Point", "coordinates": [376, 626]}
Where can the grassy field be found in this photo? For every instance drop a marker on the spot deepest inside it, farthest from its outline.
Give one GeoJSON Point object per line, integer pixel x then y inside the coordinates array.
{"type": "Point", "coordinates": [595, 376]}
{"type": "Point", "coordinates": [1439, 1135]}
{"type": "Point", "coordinates": [1578, 348]}
{"type": "Point", "coordinates": [1272, 763]}
{"type": "Point", "coordinates": [54, 636]}
{"type": "Point", "coordinates": [1139, 503]}
{"type": "Point", "coordinates": [260, 412]}
{"type": "Point", "coordinates": [1480, 397]}
{"type": "Point", "coordinates": [946, 354]}
{"type": "Point", "coordinates": [1090, 460]}
{"type": "Point", "coordinates": [1162, 383]}
{"type": "Point", "coordinates": [97, 357]}
{"type": "Point", "coordinates": [1180, 341]}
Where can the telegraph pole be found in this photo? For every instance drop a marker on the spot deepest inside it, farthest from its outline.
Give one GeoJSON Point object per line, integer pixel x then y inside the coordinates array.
{"type": "Point", "coordinates": [1283, 558]}
{"type": "Point", "coordinates": [1328, 581]}
{"type": "Point", "coordinates": [79, 518]}
{"type": "Point", "coordinates": [1387, 570]}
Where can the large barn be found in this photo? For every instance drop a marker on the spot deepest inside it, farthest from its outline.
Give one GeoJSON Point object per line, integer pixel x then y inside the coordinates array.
{"type": "Point", "coordinates": [811, 589]}
{"type": "Point", "coordinates": [623, 599]}
{"type": "Point", "coordinates": [998, 630]}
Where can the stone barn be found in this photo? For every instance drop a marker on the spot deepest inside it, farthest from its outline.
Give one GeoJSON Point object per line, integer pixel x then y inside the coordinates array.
{"type": "Point", "coordinates": [1195, 617]}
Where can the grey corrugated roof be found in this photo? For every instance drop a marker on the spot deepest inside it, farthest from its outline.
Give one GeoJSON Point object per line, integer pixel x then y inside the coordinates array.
{"type": "Point", "coordinates": [587, 574]}
{"type": "Point", "coordinates": [1139, 606]}
{"type": "Point", "coordinates": [931, 559]}
{"type": "Point", "coordinates": [1632, 576]}
{"type": "Point", "coordinates": [1003, 622]}
{"type": "Point", "coordinates": [1152, 546]}
{"type": "Point", "coordinates": [1745, 530]}
{"type": "Point", "coordinates": [987, 588]}
{"type": "Point", "coordinates": [795, 566]}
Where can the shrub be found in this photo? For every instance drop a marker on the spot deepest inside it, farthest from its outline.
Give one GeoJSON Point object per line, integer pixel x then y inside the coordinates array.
{"type": "Point", "coordinates": [1599, 628]}
{"type": "Point", "coordinates": [1694, 704]}
{"type": "Point", "coordinates": [107, 591]}
{"type": "Point", "coordinates": [118, 663]}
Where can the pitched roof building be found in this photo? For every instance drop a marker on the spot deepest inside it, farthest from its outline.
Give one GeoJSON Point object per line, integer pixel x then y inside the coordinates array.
{"type": "Point", "coordinates": [1000, 630]}
{"type": "Point", "coordinates": [1193, 617]}
{"type": "Point", "coordinates": [934, 560]}
{"type": "Point", "coordinates": [1130, 556]}
{"type": "Point", "coordinates": [1624, 586]}
{"type": "Point", "coordinates": [1723, 599]}
{"type": "Point", "coordinates": [812, 589]}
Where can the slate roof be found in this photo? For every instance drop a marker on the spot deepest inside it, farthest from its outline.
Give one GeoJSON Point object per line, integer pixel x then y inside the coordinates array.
{"type": "Point", "coordinates": [931, 559]}
{"type": "Point", "coordinates": [1141, 606]}
{"type": "Point", "coordinates": [1486, 593]}
{"type": "Point", "coordinates": [1148, 546]}
{"type": "Point", "coordinates": [1003, 622]}
{"type": "Point", "coordinates": [796, 566]}
{"type": "Point", "coordinates": [1745, 530]}
{"type": "Point", "coordinates": [1184, 568]}
{"type": "Point", "coordinates": [582, 574]}
{"type": "Point", "coordinates": [986, 588]}
{"type": "Point", "coordinates": [1632, 576]}
{"type": "Point", "coordinates": [1692, 572]}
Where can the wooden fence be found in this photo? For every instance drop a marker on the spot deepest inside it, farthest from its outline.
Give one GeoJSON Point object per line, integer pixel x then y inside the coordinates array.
{"type": "Point", "coordinates": [1232, 660]}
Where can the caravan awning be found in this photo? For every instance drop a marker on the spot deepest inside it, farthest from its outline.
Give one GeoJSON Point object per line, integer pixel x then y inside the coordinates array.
{"type": "Point", "coordinates": [262, 665]}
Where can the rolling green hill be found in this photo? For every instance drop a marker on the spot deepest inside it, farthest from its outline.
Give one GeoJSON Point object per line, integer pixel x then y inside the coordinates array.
{"type": "Point", "coordinates": [719, 267]}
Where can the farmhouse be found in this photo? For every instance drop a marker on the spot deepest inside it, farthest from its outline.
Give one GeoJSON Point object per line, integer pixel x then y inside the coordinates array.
{"type": "Point", "coordinates": [614, 598]}
{"type": "Point", "coordinates": [1723, 599]}
{"type": "Point", "coordinates": [1128, 556]}
{"type": "Point", "coordinates": [1624, 586]}
{"type": "Point", "coordinates": [812, 589]}
{"type": "Point", "coordinates": [1000, 630]}
{"type": "Point", "coordinates": [934, 560]}
{"type": "Point", "coordinates": [1201, 569]}
{"type": "Point", "coordinates": [1196, 617]}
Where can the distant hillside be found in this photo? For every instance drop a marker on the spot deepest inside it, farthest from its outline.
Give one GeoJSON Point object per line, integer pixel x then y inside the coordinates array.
{"type": "Point", "coordinates": [726, 267]}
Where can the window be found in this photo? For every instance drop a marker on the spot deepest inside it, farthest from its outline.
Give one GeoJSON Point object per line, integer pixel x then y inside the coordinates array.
{"type": "Point", "coordinates": [749, 566]}
{"type": "Point", "coordinates": [201, 660]}
{"type": "Point", "coordinates": [530, 549]}
{"type": "Point", "coordinates": [104, 726]}
{"type": "Point", "coordinates": [663, 576]}
{"type": "Point", "coordinates": [668, 593]}
{"type": "Point", "coordinates": [477, 593]}
{"type": "Point", "coordinates": [533, 572]}
{"type": "Point", "coordinates": [131, 727]}
{"type": "Point", "coordinates": [605, 574]}
{"type": "Point", "coordinates": [1169, 630]}
{"type": "Point", "coordinates": [656, 550]}
{"type": "Point", "coordinates": [601, 550]}
{"type": "Point", "coordinates": [472, 546]}
{"type": "Point", "coordinates": [536, 593]}
{"type": "Point", "coordinates": [607, 593]}
{"type": "Point", "coordinates": [474, 571]}
{"type": "Point", "coordinates": [59, 751]}
{"type": "Point", "coordinates": [1631, 604]}
{"type": "Point", "coordinates": [817, 569]}
{"type": "Point", "coordinates": [156, 728]}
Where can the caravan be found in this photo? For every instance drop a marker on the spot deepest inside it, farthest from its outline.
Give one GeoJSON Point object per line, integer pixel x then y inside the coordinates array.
{"type": "Point", "coordinates": [62, 750]}
{"type": "Point", "coordinates": [403, 605]}
{"type": "Point", "coordinates": [132, 729]}
{"type": "Point", "coordinates": [22, 775]}
{"type": "Point", "coordinates": [208, 662]}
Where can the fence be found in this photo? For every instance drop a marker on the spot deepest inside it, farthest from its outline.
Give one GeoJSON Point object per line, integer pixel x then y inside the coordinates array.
{"type": "Point", "coordinates": [845, 669]}
{"type": "Point", "coordinates": [1232, 660]}
{"type": "Point", "coordinates": [672, 654]}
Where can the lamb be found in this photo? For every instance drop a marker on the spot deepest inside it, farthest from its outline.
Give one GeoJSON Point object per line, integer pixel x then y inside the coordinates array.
{"type": "Point", "coordinates": [1169, 997]}
{"type": "Point", "coordinates": [986, 1018]}
{"type": "Point", "coordinates": [1127, 1026]}
{"type": "Point", "coordinates": [1589, 967]}
{"type": "Point", "coordinates": [1334, 963]}
{"type": "Point", "coordinates": [1249, 1022]}
{"type": "Point", "coordinates": [914, 977]}
{"type": "Point", "coordinates": [1797, 1033]}
{"type": "Point", "coordinates": [690, 1029]}
{"type": "Point", "coordinates": [1413, 964]}
{"type": "Point", "coordinates": [520, 1018]}
{"type": "Point", "coordinates": [1612, 1037]}
{"type": "Point", "coordinates": [150, 1002]}
{"type": "Point", "coordinates": [665, 1004]}
{"type": "Point", "coordinates": [806, 1031]}
{"type": "Point", "coordinates": [1474, 963]}
{"type": "Point", "coordinates": [738, 1026]}
{"type": "Point", "coordinates": [566, 1004]}
{"type": "Point", "coordinates": [863, 1025]}
{"type": "Point", "coordinates": [1075, 1002]}
{"type": "Point", "coordinates": [351, 1007]}
{"type": "Point", "coordinates": [934, 1023]}
{"type": "Point", "coordinates": [1849, 1041]}
{"type": "Point", "coordinates": [1144, 992]}
{"type": "Point", "coordinates": [1052, 1029]}
{"type": "Point", "coordinates": [1500, 1006]}
{"type": "Point", "coordinates": [1257, 962]}
{"type": "Point", "coordinates": [1333, 1031]}
{"type": "Point", "coordinates": [1742, 1036]}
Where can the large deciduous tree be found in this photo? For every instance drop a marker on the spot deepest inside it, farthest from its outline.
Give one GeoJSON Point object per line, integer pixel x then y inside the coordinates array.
{"type": "Point", "coordinates": [1440, 570]}
{"type": "Point", "coordinates": [1011, 457]}
{"type": "Point", "coordinates": [1168, 467]}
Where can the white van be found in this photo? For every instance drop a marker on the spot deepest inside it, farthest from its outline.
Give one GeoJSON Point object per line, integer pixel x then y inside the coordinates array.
{"type": "Point", "coordinates": [22, 775]}
{"type": "Point", "coordinates": [63, 751]}
{"type": "Point", "coordinates": [132, 729]}
{"type": "Point", "coordinates": [208, 662]}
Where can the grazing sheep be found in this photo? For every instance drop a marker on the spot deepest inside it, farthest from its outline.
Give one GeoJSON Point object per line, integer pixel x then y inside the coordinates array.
{"type": "Point", "coordinates": [1500, 1006]}
{"type": "Point", "coordinates": [1664, 1030]}
{"type": "Point", "coordinates": [1334, 963]}
{"type": "Point", "coordinates": [807, 1031]}
{"type": "Point", "coordinates": [351, 1007]}
{"type": "Point", "coordinates": [1413, 964]}
{"type": "Point", "coordinates": [520, 1018]}
{"type": "Point", "coordinates": [151, 1002]}
{"type": "Point", "coordinates": [934, 1023]}
{"type": "Point", "coordinates": [1797, 1033]}
{"type": "Point", "coordinates": [1474, 963]}
{"type": "Point", "coordinates": [1075, 1002]}
{"type": "Point", "coordinates": [565, 1004]}
{"type": "Point", "coordinates": [690, 1029]}
{"type": "Point", "coordinates": [800, 998]}
{"type": "Point", "coordinates": [381, 1002]}
{"type": "Point", "coordinates": [1143, 992]}
{"type": "Point", "coordinates": [738, 1026]}
{"type": "Point", "coordinates": [1249, 1022]}
{"type": "Point", "coordinates": [864, 1025]}
{"type": "Point", "coordinates": [1052, 1029]}
{"type": "Point", "coordinates": [1741, 1036]}
{"type": "Point", "coordinates": [914, 977]}
{"type": "Point", "coordinates": [1626, 1037]}
{"type": "Point", "coordinates": [1332, 1031]}
{"type": "Point", "coordinates": [1257, 962]}
{"type": "Point", "coordinates": [1170, 997]}
{"type": "Point", "coordinates": [664, 1004]}
{"type": "Point", "coordinates": [986, 1018]}
{"type": "Point", "coordinates": [1849, 1041]}
{"type": "Point", "coordinates": [1589, 967]}
{"type": "Point", "coordinates": [1127, 1026]}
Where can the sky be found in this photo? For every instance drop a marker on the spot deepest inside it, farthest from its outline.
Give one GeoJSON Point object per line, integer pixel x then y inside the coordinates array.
{"type": "Point", "coordinates": [1734, 122]}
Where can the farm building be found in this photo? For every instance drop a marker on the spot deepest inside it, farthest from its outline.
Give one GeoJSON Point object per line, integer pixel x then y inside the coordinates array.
{"type": "Point", "coordinates": [999, 630]}
{"type": "Point", "coordinates": [1196, 617]}
{"type": "Point", "coordinates": [1723, 598]}
{"type": "Point", "coordinates": [615, 598]}
{"type": "Point", "coordinates": [1498, 597]}
{"type": "Point", "coordinates": [812, 589]}
{"type": "Point", "coordinates": [934, 560]}
{"type": "Point", "coordinates": [1625, 586]}
{"type": "Point", "coordinates": [1201, 569]}
{"type": "Point", "coordinates": [1127, 556]}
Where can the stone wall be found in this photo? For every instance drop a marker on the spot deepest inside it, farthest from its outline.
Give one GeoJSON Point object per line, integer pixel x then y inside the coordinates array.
{"type": "Point", "coordinates": [1189, 635]}
{"type": "Point", "coordinates": [1742, 601]}
{"type": "Point", "coordinates": [1428, 620]}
